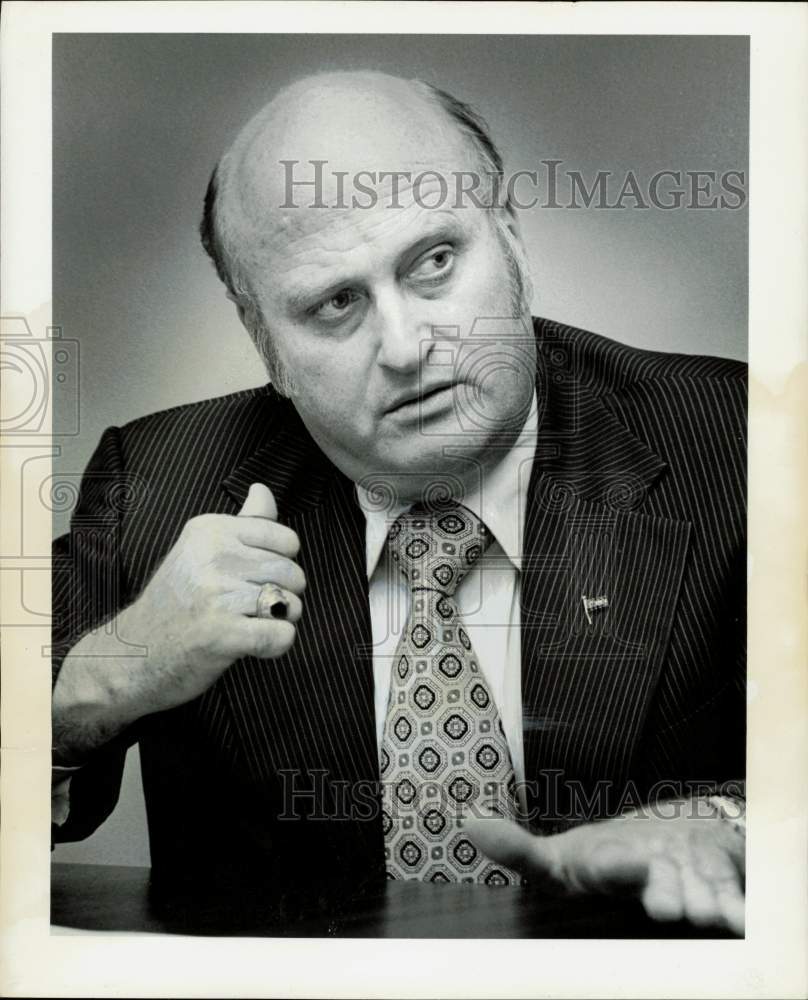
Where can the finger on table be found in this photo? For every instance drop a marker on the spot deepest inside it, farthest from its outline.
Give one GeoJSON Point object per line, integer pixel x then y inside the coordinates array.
{"type": "Point", "coordinates": [718, 868]}
{"type": "Point", "coordinates": [698, 898]}
{"type": "Point", "coordinates": [662, 895]}
{"type": "Point", "coordinates": [732, 904]}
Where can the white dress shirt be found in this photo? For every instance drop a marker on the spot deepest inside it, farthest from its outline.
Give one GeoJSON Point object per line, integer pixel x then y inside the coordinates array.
{"type": "Point", "coordinates": [488, 597]}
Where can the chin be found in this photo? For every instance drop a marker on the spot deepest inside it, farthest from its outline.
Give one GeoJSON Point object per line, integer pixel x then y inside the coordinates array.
{"type": "Point", "coordinates": [428, 475]}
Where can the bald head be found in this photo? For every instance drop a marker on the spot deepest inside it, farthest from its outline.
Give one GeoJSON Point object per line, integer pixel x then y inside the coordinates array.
{"type": "Point", "coordinates": [355, 121]}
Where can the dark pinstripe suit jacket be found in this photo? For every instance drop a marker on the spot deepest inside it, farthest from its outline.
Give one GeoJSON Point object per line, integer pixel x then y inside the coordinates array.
{"type": "Point", "coordinates": [637, 492]}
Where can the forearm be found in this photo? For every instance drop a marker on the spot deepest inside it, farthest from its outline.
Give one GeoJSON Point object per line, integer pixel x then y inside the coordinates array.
{"type": "Point", "coordinates": [97, 695]}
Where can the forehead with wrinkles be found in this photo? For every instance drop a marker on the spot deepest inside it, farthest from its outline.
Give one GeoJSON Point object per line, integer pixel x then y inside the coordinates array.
{"type": "Point", "coordinates": [354, 121]}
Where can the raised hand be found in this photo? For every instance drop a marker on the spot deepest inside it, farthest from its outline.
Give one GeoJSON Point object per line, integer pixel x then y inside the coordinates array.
{"type": "Point", "coordinates": [195, 617]}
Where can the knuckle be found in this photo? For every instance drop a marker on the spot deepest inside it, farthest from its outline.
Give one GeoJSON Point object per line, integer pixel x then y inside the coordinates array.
{"type": "Point", "coordinates": [211, 636]}
{"type": "Point", "coordinates": [202, 536]}
{"type": "Point", "coordinates": [207, 581]}
{"type": "Point", "coordinates": [287, 541]}
{"type": "Point", "coordinates": [271, 639]}
{"type": "Point", "coordinates": [286, 573]}
{"type": "Point", "coordinates": [230, 598]}
{"type": "Point", "coordinates": [200, 524]}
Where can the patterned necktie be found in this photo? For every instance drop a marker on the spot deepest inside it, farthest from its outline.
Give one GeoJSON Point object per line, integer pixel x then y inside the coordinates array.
{"type": "Point", "coordinates": [444, 748]}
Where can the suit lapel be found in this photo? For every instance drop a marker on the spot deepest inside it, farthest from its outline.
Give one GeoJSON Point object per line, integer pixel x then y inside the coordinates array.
{"type": "Point", "coordinates": [312, 709]}
{"type": "Point", "coordinates": [586, 687]}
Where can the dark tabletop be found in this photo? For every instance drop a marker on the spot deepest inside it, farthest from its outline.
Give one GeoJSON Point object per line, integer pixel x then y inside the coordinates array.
{"type": "Point", "coordinates": [109, 897]}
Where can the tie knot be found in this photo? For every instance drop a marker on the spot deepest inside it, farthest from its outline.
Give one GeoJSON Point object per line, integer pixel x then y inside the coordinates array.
{"type": "Point", "coordinates": [436, 548]}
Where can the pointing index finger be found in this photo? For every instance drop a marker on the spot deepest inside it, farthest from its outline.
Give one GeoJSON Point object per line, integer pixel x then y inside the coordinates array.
{"type": "Point", "coordinates": [508, 843]}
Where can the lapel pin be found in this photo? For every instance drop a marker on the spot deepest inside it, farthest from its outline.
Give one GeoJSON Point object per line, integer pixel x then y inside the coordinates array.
{"type": "Point", "coordinates": [593, 604]}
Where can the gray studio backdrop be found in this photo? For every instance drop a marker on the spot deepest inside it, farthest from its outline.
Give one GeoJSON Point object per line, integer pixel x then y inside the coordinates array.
{"type": "Point", "coordinates": [140, 120]}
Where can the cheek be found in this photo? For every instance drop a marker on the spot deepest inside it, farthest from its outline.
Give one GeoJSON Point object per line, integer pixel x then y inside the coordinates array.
{"type": "Point", "coordinates": [499, 353]}
{"type": "Point", "coordinates": [329, 379]}
{"type": "Point", "coordinates": [486, 286]}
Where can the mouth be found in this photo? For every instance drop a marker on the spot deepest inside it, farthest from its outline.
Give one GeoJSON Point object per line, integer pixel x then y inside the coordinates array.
{"type": "Point", "coordinates": [406, 403]}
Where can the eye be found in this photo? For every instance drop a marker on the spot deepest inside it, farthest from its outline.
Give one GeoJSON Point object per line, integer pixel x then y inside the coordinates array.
{"type": "Point", "coordinates": [435, 264]}
{"type": "Point", "coordinates": [338, 305]}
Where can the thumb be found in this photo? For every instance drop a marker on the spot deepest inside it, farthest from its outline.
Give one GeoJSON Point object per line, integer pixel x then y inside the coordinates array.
{"type": "Point", "coordinates": [259, 503]}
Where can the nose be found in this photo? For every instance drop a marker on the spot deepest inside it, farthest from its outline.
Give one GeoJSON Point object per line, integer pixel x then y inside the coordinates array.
{"type": "Point", "coordinates": [400, 333]}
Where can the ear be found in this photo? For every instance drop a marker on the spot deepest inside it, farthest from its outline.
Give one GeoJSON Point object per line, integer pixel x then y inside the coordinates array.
{"type": "Point", "coordinates": [512, 221]}
{"type": "Point", "coordinates": [239, 307]}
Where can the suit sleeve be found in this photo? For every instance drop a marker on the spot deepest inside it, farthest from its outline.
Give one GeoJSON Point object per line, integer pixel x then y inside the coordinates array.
{"type": "Point", "coordinates": [88, 590]}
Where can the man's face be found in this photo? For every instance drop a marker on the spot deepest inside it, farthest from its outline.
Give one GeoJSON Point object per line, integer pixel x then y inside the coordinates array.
{"type": "Point", "coordinates": [372, 313]}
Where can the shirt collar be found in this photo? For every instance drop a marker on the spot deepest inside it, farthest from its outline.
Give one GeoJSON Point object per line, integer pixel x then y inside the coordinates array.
{"type": "Point", "coordinates": [500, 503]}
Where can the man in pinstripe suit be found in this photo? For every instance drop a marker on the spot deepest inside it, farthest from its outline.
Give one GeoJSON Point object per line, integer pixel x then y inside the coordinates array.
{"type": "Point", "coordinates": [611, 479]}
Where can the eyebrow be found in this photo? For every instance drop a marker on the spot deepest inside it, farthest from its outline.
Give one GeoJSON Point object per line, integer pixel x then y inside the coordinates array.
{"type": "Point", "coordinates": [447, 228]}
